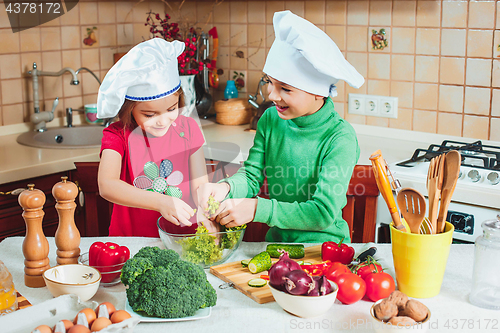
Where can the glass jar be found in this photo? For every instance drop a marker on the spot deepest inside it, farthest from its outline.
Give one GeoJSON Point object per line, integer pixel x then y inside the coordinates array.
{"type": "Point", "coordinates": [8, 294]}
{"type": "Point", "coordinates": [486, 275]}
{"type": "Point", "coordinates": [231, 91]}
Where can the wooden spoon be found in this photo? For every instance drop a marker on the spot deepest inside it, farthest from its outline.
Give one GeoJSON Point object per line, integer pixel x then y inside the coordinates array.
{"type": "Point", "coordinates": [412, 205]}
{"type": "Point", "coordinates": [451, 171]}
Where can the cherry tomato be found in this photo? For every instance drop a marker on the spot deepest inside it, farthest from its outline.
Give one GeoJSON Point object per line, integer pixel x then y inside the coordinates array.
{"type": "Point", "coordinates": [379, 285]}
{"type": "Point", "coordinates": [364, 271]}
{"type": "Point", "coordinates": [335, 270]}
{"type": "Point", "coordinates": [352, 288]}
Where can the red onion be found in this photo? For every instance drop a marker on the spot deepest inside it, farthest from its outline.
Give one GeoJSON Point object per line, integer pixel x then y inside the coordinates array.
{"type": "Point", "coordinates": [298, 282]}
{"type": "Point", "coordinates": [280, 269]}
{"type": "Point", "coordinates": [325, 287]}
{"type": "Point", "coordinates": [317, 283]}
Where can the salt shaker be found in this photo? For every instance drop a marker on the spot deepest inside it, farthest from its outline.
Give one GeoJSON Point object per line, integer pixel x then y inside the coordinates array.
{"type": "Point", "coordinates": [485, 277]}
{"type": "Point", "coordinates": [8, 294]}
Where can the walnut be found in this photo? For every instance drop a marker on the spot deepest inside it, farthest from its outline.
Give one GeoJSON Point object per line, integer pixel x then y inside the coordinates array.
{"type": "Point", "coordinates": [414, 309]}
{"type": "Point", "coordinates": [402, 321]}
{"type": "Point", "coordinates": [385, 310]}
{"type": "Point", "coordinates": [398, 298]}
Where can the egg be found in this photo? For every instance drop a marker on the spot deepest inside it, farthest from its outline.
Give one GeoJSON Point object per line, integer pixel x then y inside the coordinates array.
{"type": "Point", "coordinates": [89, 313]}
{"type": "Point", "coordinates": [111, 308]}
{"type": "Point", "coordinates": [100, 323]}
{"type": "Point", "coordinates": [43, 329]}
{"type": "Point", "coordinates": [119, 316]}
{"type": "Point", "coordinates": [79, 329]}
{"type": "Point", "coordinates": [67, 325]}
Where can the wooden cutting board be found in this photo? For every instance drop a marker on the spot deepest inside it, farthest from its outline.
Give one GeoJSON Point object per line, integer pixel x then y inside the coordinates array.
{"type": "Point", "coordinates": [239, 276]}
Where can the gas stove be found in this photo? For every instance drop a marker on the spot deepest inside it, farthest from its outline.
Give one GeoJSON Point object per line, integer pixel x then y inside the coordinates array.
{"type": "Point", "coordinates": [477, 194]}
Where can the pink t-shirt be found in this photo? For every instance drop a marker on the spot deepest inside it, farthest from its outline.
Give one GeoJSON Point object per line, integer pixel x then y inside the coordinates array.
{"type": "Point", "coordinates": [158, 164]}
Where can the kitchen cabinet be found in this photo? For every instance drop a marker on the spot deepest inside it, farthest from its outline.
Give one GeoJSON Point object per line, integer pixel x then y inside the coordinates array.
{"type": "Point", "coordinates": [11, 220]}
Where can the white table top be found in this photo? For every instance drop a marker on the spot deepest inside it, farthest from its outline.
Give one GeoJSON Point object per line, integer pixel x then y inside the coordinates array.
{"type": "Point", "coordinates": [236, 312]}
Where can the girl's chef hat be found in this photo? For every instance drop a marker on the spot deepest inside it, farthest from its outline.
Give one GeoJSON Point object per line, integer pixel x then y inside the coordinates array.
{"type": "Point", "coordinates": [147, 72]}
{"type": "Point", "coordinates": [306, 58]}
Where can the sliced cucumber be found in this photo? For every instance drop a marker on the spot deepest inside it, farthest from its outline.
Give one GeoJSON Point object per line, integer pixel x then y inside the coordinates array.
{"type": "Point", "coordinates": [245, 262]}
{"type": "Point", "coordinates": [300, 262]}
{"type": "Point", "coordinates": [259, 263]}
{"type": "Point", "coordinates": [307, 263]}
{"type": "Point", "coordinates": [257, 283]}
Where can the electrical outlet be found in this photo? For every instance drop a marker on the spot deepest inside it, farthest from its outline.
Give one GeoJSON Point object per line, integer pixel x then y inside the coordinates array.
{"type": "Point", "coordinates": [373, 105]}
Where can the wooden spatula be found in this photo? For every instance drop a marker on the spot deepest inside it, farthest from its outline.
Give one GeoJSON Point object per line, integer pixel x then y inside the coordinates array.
{"type": "Point", "coordinates": [451, 171]}
{"type": "Point", "coordinates": [412, 205]}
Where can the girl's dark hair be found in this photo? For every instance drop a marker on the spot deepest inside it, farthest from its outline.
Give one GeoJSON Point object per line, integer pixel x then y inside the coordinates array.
{"type": "Point", "coordinates": [125, 113]}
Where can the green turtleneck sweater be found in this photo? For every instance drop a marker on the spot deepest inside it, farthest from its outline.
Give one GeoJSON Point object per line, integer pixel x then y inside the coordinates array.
{"type": "Point", "coordinates": [308, 162]}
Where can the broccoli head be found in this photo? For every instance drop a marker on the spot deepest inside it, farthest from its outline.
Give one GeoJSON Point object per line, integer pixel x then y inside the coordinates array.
{"type": "Point", "coordinates": [170, 288]}
{"type": "Point", "coordinates": [133, 268]}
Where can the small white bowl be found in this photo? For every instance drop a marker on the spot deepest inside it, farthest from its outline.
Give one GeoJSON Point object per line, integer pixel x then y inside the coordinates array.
{"type": "Point", "coordinates": [382, 327]}
{"type": "Point", "coordinates": [305, 306]}
{"type": "Point", "coordinates": [81, 280]}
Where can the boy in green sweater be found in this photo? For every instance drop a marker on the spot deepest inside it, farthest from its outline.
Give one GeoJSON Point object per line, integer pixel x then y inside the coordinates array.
{"type": "Point", "coordinates": [303, 147]}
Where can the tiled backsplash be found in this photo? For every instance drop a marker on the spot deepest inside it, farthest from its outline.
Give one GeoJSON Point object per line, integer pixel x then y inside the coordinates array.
{"type": "Point", "coordinates": [442, 59]}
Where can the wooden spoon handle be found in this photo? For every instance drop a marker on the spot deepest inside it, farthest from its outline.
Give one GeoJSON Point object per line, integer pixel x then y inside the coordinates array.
{"type": "Point", "coordinates": [443, 211]}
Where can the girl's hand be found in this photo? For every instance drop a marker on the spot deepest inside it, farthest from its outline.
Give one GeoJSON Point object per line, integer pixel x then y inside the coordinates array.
{"type": "Point", "coordinates": [236, 212]}
{"type": "Point", "coordinates": [218, 191]}
{"type": "Point", "coordinates": [176, 211]}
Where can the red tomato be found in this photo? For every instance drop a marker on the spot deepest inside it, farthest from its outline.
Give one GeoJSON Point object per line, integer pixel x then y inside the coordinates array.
{"type": "Point", "coordinates": [352, 288]}
{"type": "Point", "coordinates": [335, 270]}
{"type": "Point", "coordinates": [379, 285]}
{"type": "Point", "coordinates": [364, 271]}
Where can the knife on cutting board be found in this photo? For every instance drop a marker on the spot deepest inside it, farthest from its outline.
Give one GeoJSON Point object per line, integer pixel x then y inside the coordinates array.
{"type": "Point", "coordinates": [379, 169]}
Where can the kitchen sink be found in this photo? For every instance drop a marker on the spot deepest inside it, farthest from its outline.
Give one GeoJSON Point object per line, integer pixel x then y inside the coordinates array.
{"type": "Point", "coordinates": [64, 137]}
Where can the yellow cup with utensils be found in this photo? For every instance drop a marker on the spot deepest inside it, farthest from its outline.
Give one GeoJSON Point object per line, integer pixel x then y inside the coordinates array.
{"type": "Point", "coordinates": [420, 260]}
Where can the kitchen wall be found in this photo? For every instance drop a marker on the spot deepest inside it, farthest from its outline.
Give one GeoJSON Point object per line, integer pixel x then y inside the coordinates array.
{"type": "Point", "coordinates": [441, 60]}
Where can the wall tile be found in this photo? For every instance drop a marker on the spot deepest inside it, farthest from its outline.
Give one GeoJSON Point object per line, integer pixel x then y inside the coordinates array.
{"type": "Point", "coordinates": [90, 99]}
{"type": "Point", "coordinates": [428, 13]}
{"type": "Point", "coordinates": [477, 101]}
{"type": "Point", "coordinates": [359, 61]}
{"type": "Point", "coordinates": [256, 14]}
{"type": "Point", "coordinates": [236, 63]}
{"type": "Point", "coordinates": [107, 12]}
{"type": "Point", "coordinates": [378, 87]}
{"type": "Point", "coordinates": [256, 58]}
{"type": "Point", "coordinates": [10, 66]}
{"type": "Point", "coordinates": [426, 69]}
{"type": "Point", "coordinates": [426, 96]}
{"type": "Point", "coordinates": [496, 74]}
{"type": "Point", "coordinates": [27, 60]}
{"type": "Point", "coordinates": [336, 12]}
{"type": "Point", "coordinates": [125, 34]}
{"type": "Point", "coordinates": [340, 108]}
{"type": "Point", "coordinates": [238, 12]}
{"type": "Point", "coordinates": [476, 127]}
{"type": "Point", "coordinates": [89, 84]}
{"type": "Point", "coordinates": [224, 33]}
{"type": "Point", "coordinates": [4, 19]}
{"type": "Point", "coordinates": [351, 90]}
{"type": "Point", "coordinates": [13, 114]}
{"type": "Point", "coordinates": [425, 121]}
{"type": "Point", "coordinates": [478, 72]}
{"type": "Point", "coordinates": [72, 17]}
{"type": "Point", "coordinates": [12, 91]}
{"type": "Point", "coordinates": [402, 67]}
{"type": "Point", "coordinates": [70, 37]}
{"type": "Point", "coordinates": [68, 89]}
{"type": "Point", "coordinates": [454, 14]}
{"type": "Point", "coordinates": [482, 14]}
{"type": "Point", "coordinates": [354, 42]}
{"type": "Point", "coordinates": [51, 61]}
{"type": "Point", "coordinates": [340, 92]}
{"type": "Point", "coordinates": [404, 92]}
{"type": "Point", "coordinates": [269, 35]}
{"type": "Point", "coordinates": [498, 15]}
{"type": "Point", "coordinates": [388, 37]}
{"type": "Point", "coordinates": [141, 33]}
{"type": "Point", "coordinates": [315, 11]}
{"type": "Point", "coordinates": [88, 12]}
{"type": "Point", "coordinates": [238, 35]}
{"type": "Point", "coordinates": [495, 129]}
{"type": "Point", "coordinates": [452, 70]}
{"type": "Point", "coordinates": [380, 13]}
{"type": "Point", "coordinates": [51, 38]}
{"type": "Point", "coordinates": [223, 57]}
{"type": "Point", "coordinates": [256, 35]}
{"type": "Point", "coordinates": [403, 121]}
{"type": "Point", "coordinates": [30, 40]}
{"type": "Point", "coordinates": [495, 103]}
{"type": "Point", "coordinates": [187, 11]}
{"type": "Point", "coordinates": [108, 34]}
{"type": "Point", "coordinates": [449, 124]}
{"type": "Point", "coordinates": [379, 66]}
{"type": "Point", "coordinates": [298, 7]}
{"type": "Point", "coordinates": [451, 98]}
{"type": "Point", "coordinates": [479, 43]}
{"type": "Point", "coordinates": [157, 6]}
{"type": "Point", "coordinates": [106, 56]}
{"type": "Point", "coordinates": [403, 40]}
{"type": "Point", "coordinates": [52, 87]}
{"type": "Point", "coordinates": [355, 118]}
{"type": "Point", "coordinates": [357, 12]}
{"type": "Point", "coordinates": [337, 33]}
{"type": "Point", "coordinates": [9, 42]}
{"type": "Point", "coordinates": [124, 12]}
{"type": "Point", "coordinates": [140, 10]}
{"type": "Point", "coordinates": [204, 13]}
{"type": "Point", "coordinates": [85, 34]}
{"type": "Point", "coordinates": [404, 13]}
{"type": "Point", "coordinates": [90, 59]}
{"type": "Point", "coordinates": [71, 59]}
{"type": "Point", "coordinates": [453, 42]}
{"type": "Point", "coordinates": [377, 121]}
{"type": "Point", "coordinates": [273, 7]}
{"type": "Point", "coordinates": [428, 41]}
{"type": "Point", "coordinates": [496, 42]}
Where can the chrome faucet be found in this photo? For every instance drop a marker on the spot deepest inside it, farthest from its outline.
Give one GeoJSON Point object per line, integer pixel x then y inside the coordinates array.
{"type": "Point", "coordinates": [40, 119]}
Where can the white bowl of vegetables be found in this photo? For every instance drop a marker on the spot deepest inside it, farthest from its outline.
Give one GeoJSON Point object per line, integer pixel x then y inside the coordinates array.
{"type": "Point", "coordinates": [299, 293]}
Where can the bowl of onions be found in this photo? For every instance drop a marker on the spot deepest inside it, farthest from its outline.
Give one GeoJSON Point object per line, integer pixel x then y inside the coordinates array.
{"type": "Point", "coordinates": [299, 293]}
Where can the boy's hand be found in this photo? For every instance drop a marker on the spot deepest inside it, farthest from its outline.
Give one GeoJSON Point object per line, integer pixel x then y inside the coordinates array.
{"type": "Point", "coordinates": [176, 211]}
{"type": "Point", "coordinates": [236, 212]}
{"type": "Point", "coordinates": [217, 191]}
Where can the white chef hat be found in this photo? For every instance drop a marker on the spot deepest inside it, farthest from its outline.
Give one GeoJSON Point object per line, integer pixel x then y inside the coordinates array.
{"type": "Point", "coordinates": [306, 58]}
{"type": "Point", "coordinates": [147, 72]}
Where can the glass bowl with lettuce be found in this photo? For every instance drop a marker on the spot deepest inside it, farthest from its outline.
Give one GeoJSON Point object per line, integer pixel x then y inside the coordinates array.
{"type": "Point", "coordinates": [203, 248]}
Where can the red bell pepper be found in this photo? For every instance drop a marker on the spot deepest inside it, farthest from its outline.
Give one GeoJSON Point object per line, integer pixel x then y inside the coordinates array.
{"type": "Point", "coordinates": [318, 269]}
{"type": "Point", "coordinates": [334, 252]}
{"type": "Point", "coordinates": [108, 257]}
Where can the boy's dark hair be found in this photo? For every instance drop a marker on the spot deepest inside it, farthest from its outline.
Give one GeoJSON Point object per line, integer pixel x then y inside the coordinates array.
{"type": "Point", "coordinates": [125, 113]}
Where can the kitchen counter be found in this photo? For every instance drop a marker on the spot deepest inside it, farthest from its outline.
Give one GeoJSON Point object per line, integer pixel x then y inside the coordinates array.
{"type": "Point", "coordinates": [235, 312]}
{"type": "Point", "coordinates": [225, 143]}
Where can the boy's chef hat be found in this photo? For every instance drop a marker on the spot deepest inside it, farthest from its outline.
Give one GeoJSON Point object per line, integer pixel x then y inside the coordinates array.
{"type": "Point", "coordinates": [306, 58]}
{"type": "Point", "coordinates": [147, 72]}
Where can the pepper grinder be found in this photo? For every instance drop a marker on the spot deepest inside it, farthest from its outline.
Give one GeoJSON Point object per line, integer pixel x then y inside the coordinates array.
{"type": "Point", "coordinates": [67, 234]}
{"type": "Point", "coordinates": [35, 245]}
